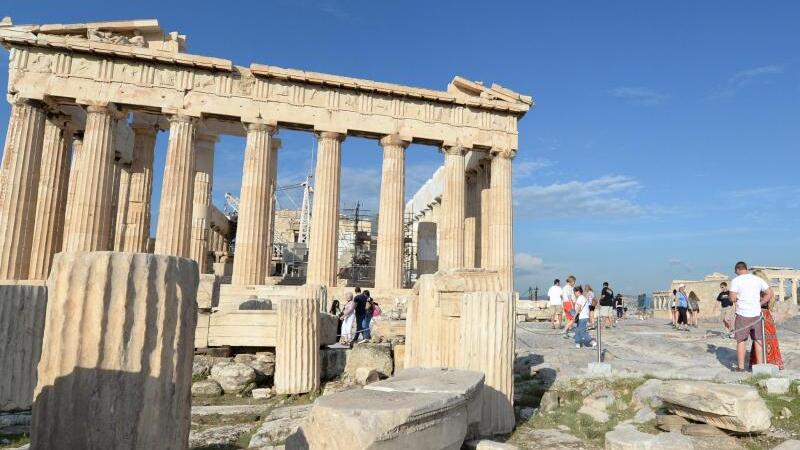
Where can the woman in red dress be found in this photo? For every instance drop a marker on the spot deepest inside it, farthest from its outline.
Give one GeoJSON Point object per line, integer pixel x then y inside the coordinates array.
{"type": "Point", "coordinates": [770, 334]}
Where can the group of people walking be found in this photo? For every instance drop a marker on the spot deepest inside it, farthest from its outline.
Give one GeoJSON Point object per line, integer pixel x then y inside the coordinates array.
{"type": "Point", "coordinates": [358, 311]}
{"type": "Point", "coordinates": [577, 306]}
{"type": "Point", "coordinates": [685, 308]}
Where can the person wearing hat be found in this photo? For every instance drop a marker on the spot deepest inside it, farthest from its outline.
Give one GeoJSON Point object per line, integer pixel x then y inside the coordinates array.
{"type": "Point", "coordinates": [683, 306]}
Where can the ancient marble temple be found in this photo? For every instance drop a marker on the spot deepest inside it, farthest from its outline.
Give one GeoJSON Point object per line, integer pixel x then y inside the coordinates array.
{"type": "Point", "coordinates": [87, 101]}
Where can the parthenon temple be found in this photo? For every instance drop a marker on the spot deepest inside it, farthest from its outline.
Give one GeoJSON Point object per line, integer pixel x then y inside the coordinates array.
{"type": "Point", "coordinates": [88, 101]}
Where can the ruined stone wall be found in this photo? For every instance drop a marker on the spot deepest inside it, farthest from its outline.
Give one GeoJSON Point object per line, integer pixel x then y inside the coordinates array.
{"type": "Point", "coordinates": [22, 312]}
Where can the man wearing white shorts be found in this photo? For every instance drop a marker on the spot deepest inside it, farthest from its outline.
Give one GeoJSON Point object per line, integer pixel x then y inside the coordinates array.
{"type": "Point", "coordinates": [745, 293]}
{"type": "Point", "coordinates": [554, 303]}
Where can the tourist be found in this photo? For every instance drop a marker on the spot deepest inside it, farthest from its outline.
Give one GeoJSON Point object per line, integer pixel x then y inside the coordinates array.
{"type": "Point", "coordinates": [694, 307]}
{"type": "Point", "coordinates": [674, 308]}
{"type": "Point", "coordinates": [592, 302]}
{"type": "Point", "coordinates": [607, 305]}
{"type": "Point", "coordinates": [619, 304]}
{"type": "Point", "coordinates": [369, 310]}
{"type": "Point", "coordinates": [726, 311]}
{"type": "Point", "coordinates": [770, 331]}
{"type": "Point", "coordinates": [582, 337]}
{"type": "Point", "coordinates": [337, 311]}
{"type": "Point", "coordinates": [745, 293]}
{"type": "Point", "coordinates": [568, 304]}
{"type": "Point", "coordinates": [554, 294]}
{"type": "Point", "coordinates": [360, 301]}
{"type": "Point", "coordinates": [348, 316]}
{"type": "Point", "coordinates": [682, 301]}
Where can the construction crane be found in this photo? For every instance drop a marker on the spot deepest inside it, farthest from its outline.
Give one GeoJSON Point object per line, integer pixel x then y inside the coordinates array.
{"type": "Point", "coordinates": [232, 209]}
{"type": "Point", "coordinates": [305, 212]}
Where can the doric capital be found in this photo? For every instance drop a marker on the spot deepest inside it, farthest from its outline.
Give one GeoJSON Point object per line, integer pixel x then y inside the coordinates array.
{"type": "Point", "coordinates": [18, 100]}
{"type": "Point", "coordinates": [454, 150]}
{"type": "Point", "coordinates": [107, 109]}
{"type": "Point", "coordinates": [394, 140]}
{"type": "Point", "coordinates": [507, 153]}
{"type": "Point", "coordinates": [331, 135]}
{"type": "Point", "coordinates": [182, 118]}
{"type": "Point", "coordinates": [257, 127]}
{"type": "Point", "coordinates": [144, 128]}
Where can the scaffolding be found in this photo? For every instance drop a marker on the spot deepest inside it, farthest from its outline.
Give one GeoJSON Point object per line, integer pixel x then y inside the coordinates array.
{"type": "Point", "coordinates": [409, 250]}
{"type": "Point", "coordinates": [356, 253]}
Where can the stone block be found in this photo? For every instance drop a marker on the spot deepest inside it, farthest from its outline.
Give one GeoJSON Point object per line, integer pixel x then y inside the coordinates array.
{"type": "Point", "coordinates": [399, 352]}
{"type": "Point", "coordinates": [279, 424]}
{"type": "Point", "coordinates": [776, 386]}
{"type": "Point", "coordinates": [233, 376]}
{"type": "Point", "coordinates": [208, 291]}
{"type": "Point", "coordinates": [626, 437]}
{"type": "Point", "coordinates": [22, 319]}
{"type": "Point", "coordinates": [646, 394]}
{"type": "Point", "coordinates": [701, 430]}
{"type": "Point", "coordinates": [765, 369]}
{"type": "Point", "coordinates": [421, 408]}
{"type": "Point", "coordinates": [206, 388]}
{"type": "Point", "coordinates": [731, 407]}
{"type": "Point", "coordinates": [549, 402]}
{"type": "Point", "coordinates": [297, 368]}
{"type": "Point", "coordinates": [490, 352]}
{"type": "Point", "coordinates": [670, 422]}
{"type": "Point", "coordinates": [598, 369]}
{"type": "Point", "coordinates": [370, 355]}
{"type": "Point", "coordinates": [327, 329]}
{"type": "Point", "coordinates": [262, 393]}
{"type": "Point", "coordinates": [365, 375]}
{"type": "Point", "coordinates": [485, 444]}
{"type": "Point", "coordinates": [117, 352]}
{"type": "Point", "coordinates": [332, 362]}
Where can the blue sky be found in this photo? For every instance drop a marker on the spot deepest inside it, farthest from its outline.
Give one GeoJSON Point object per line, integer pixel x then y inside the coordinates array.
{"type": "Point", "coordinates": [664, 143]}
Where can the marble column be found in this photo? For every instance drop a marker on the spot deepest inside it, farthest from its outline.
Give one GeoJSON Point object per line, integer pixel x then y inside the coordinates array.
{"type": "Point", "coordinates": [174, 230]}
{"type": "Point", "coordinates": [275, 145]}
{"type": "Point", "coordinates": [472, 212]}
{"type": "Point", "coordinates": [484, 186]}
{"type": "Point", "coordinates": [136, 235]}
{"type": "Point", "coordinates": [297, 363]}
{"type": "Point", "coordinates": [90, 217]}
{"type": "Point", "coordinates": [794, 291]}
{"type": "Point", "coordinates": [781, 289]}
{"type": "Point", "coordinates": [123, 193]}
{"type": "Point", "coordinates": [201, 207]}
{"type": "Point", "coordinates": [501, 244]}
{"type": "Point", "coordinates": [451, 245]}
{"type": "Point", "coordinates": [19, 183]}
{"type": "Point", "coordinates": [48, 231]}
{"type": "Point", "coordinates": [323, 248]}
{"type": "Point", "coordinates": [252, 232]}
{"type": "Point", "coordinates": [72, 183]}
{"type": "Point", "coordinates": [389, 256]}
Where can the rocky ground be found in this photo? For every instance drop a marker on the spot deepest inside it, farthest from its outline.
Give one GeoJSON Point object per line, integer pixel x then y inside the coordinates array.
{"type": "Point", "coordinates": [558, 405]}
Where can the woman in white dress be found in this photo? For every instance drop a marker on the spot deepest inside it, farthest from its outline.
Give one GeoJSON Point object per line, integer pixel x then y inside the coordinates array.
{"type": "Point", "coordinates": [348, 314]}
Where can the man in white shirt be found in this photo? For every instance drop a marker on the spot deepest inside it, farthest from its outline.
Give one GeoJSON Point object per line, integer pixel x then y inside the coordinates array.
{"type": "Point", "coordinates": [554, 294]}
{"type": "Point", "coordinates": [745, 293]}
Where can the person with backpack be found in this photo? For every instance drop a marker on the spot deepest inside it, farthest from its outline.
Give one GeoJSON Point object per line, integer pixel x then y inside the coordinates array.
{"type": "Point", "coordinates": [607, 305]}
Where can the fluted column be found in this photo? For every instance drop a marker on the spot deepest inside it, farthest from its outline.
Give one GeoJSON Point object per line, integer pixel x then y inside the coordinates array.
{"type": "Point", "coordinates": [275, 145]}
{"type": "Point", "coordinates": [19, 183]}
{"type": "Point", "coordinates": [136, 235]}
{"type": "Point", "coordinates": [123, 190]}
{"type": "Point", "coordinates": [484, 186]}
{"type": "Point", "coordinates": [297, 366]}
{"type": "Point", "coordinates": [794, 290]}
{"type": "Point", "coordinates": [48, 231]}
{"type": "Point", "coordinates": [252, 253]}
{"type": "Point", "coordinates": [174, 230]}
{"type": "Point", "coordinates": [322, 251]}
{"type": "Point", "coordinates": [471, 208]}
{"type": "Point", "coordinates": [451, 245]}
{"type": "Point", "coordinates": [72, 184]}
{"type": "Point", "coordinates": [501, 238]}
{"type": "Point", "coordinates": [116, 353]}
{"type": "Point", "coordinates": [201, 207]}
{"type": "Point", "coordinates": [90, 217]}
{"type": "Point", "coordinates": [389, 257]}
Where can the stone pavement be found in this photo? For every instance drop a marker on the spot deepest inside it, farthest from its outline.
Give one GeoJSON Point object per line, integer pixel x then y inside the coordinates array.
{"type": "Point", "coordinates": [650, 348]}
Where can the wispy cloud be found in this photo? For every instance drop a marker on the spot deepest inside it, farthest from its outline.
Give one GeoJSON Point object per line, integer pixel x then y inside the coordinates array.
{"type": "Point", "coordinates": [607, 196]}
{"type": "Point", "coordinates": [525, 263]}
{"type": "Point", "coordinates": [525, 168]}
{"type": "Point", "coordinates": [747, 77]}
{"type": "Point", "coordinates": [640, 95]}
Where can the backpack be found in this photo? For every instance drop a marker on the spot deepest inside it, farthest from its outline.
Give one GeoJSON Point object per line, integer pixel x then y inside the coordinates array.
{"type": "Point", "coordinates": [376, 310]}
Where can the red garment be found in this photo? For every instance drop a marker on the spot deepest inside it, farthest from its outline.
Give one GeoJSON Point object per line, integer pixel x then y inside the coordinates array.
{"type": "Point", "coordinates": [771, 335]}
{"type": "Point", "coordinates": [569, 309]}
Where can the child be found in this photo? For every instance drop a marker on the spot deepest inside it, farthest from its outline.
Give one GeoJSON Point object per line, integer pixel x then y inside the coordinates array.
{"type": "Point", "coordinates": [582, 337]}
